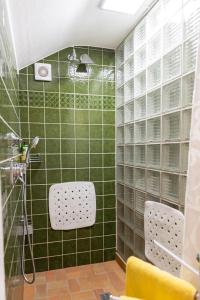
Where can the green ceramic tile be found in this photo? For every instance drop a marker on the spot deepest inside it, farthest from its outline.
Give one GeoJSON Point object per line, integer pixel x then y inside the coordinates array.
{"type": "Point", "coordinates": [39, 221]}
{"type": "Point", "coordinates": [95, 87]}
{"type": "Point", "coordinates": [109, 228]}
{"type": "Point", "coordinates": [97, 229]}
{"type": "Point", "coordinates": [96, 256]}
{"type": "Point", "coordinates": [83, 232]}
{"type": "Point", "coordinates": [51, 115]}
{"type": "Point", "coordinates": [109, 254]}
{"type": "Point", "coordinates": [96, 146]}
{"type": "Point", "coordinates": [109, 117]}
{"type": "Point", "coordinates": [23, 114]}
{"type": "Point", "coordinates": [36, 115]}
{"type": "Point", "coordinates": [95, 117]}
{"type": "Point", "coordinates": [39, 207]}
{"type": "Point", "coordinates": [41, 265]}
{"type": "Point", "coordinates": [81, 86]}
{"type": "Point", "coordinates": [68, 160]}
{"type": "Point", "coordinates": [109, 160]}
{"type": "Point", "coordinates": [55, 262]}
{"type": "Point", "coordinates": [82, 174]}
{"type": "Point", "coordinates": [83, 258]}
{"type": "Point", "coordinates": [63, 54]}
{"type": "Point", "coordinates": [53, 161]}
{"type": "Point", "coordinates": [52, 131]}
{"type": "Point", "coordinates": [95, 131]}
{"type": "Point", "coordinates": [67, 131]}
{"type": "Point", "coordinates": [34, 85]}
{"type": "Point", "coordinates": [37, 130]}
{"type": "Point", "coordinates": [99, 201]}
{"type": "Point", "coordinates": [97, 243]}
{"type": "Point", "coordinates": [52, 146]}
{"type": "Point", "coordinates": [108, 58]}
{"type": "Point", "coordinates": [53, 56]}
{"type": "Point", "coordinates": [67, 116]}
{"type": "Point", "coordinates": [66, 85]}
{"type": "Point", "coordinates": [69, 234]}
{"type": "Point", "coordinates": [53, 176]}
{"type": "Point", "coordinates": [39, 250]}
{"type": "Point", "coordinates": [82, 146]}
{"type": "Point", "coordinates": [109, 146]}
{"type": "Point", "coordinates": [96, 160]}
{"type": "Point", "coordinates": [96, 56]}
{"type": "Point", "coordinates": [82, 160]}
{"type": "Point", "coordinates": [83, 245]}
{"type": "Point", "coordinates": [68, 175]}
{"type": "Point", "coordinates": [109, 174]}
{"type": "Point", "coordinates": [55, 248]}
{"type": "Point", "coordinates": [109, 214]}
{"type": "Point", "coordinates": [96, 174]}
{"type": "Point", "coordinates": [54, 235]}
{"type": "Point", "coordinates": [82, 131]}
{"type": "Point", "coordinates": [81, 117]}
{"type": "Point", "coordinates": [40, 236]}
{"type": "Point", "coordinates": [69, 247]}
{"type": "Point", "coordinates": [109, 187]}
{"type": "Point", "coordinates": [109, 201]}
{"type": "Point", "coordinates": [99, 216]}
{"type": "Point", "coordinates": [68, 146]}
{"type": "Point", "coordinates": [69, 260]}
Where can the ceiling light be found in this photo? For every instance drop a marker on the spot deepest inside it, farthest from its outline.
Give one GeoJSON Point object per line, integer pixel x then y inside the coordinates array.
{"type": "Point", "coordinates": [122, 6]}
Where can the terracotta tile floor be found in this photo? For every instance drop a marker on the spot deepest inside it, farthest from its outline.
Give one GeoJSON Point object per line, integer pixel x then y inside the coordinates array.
{"type": "Point", "coordinates": [77, 283]}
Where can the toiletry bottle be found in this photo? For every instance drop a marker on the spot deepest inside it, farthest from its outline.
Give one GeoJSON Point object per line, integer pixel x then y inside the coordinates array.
{"type": "Point", "coordinates": [24, 149]}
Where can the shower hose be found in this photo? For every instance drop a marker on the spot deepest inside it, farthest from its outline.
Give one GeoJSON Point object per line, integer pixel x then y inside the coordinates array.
{"type": "Point", "coordinates": [22, 178]}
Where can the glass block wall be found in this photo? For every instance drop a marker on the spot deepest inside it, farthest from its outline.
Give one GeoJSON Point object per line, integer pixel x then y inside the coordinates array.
{"type": "Point", "coordinates": [155, 68]}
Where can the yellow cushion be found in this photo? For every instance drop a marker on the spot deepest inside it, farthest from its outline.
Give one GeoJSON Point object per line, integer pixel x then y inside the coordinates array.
{"type": "Point", "coordinates": [145, 281]}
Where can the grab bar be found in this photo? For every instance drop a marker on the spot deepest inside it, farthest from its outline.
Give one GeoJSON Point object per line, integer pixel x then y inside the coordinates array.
{"type": "Point", "coordinates": [180, 260]}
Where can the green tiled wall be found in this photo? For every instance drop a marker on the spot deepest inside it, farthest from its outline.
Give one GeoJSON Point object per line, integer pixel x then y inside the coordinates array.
{"type": "Point", "coordinates": [74, 117]}
{"type": "Point", "coordinates": [10, 196]}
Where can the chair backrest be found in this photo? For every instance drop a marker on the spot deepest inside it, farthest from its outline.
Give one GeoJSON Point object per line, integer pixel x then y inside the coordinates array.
{"type": "Point", "coordinates": [165, 225]}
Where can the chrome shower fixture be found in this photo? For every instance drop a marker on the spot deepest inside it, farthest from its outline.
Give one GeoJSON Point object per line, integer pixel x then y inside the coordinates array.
{"type": "Point", "coordinates": [81, 63]}
{"type": "Point", "coordinates": [34, 142]}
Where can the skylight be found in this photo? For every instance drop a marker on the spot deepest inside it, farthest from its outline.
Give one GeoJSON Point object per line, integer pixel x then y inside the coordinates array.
{"type": "Point", "coordinates": [123, 6]}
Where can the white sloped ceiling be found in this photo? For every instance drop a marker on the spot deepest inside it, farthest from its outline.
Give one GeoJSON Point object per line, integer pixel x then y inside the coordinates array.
{"type": "Point", "coordinates": [42, 27]}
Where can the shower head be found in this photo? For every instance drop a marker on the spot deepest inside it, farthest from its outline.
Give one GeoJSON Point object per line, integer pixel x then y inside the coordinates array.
{"type": "Point", "coordinates": [82, 68]}
{"type": "Point", "coordinates": [73, 58]}
{"type": "Point", "coordinates": [34, 142]}
{"type": "Point", "coordinates": [85, 59]}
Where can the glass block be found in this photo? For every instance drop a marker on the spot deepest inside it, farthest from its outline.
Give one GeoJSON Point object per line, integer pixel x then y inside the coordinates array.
{"type": "Point", "coordinates": [139, 246]}
{"type": "Point", "coordinates": [171, 157]}
{"type": "Point", "coordinates": [139, 223]}
{"type": "Point", "coordinates": [183, 182]}
{"type": "Point", "coordinates": [170, 186]}
{"type": "Point", "coordinates": [129, 91]}
{"type": "Point", "coordinates": [129, 216]}
{"type": "Point", "coordinates": [184, 157]}
{"type": "Point", "coordinates": [170, 7]}
{"type": "Point", "coordinates": [120, 209]}
{"type": "Point", "coordinates": [128, 175]}
{"type": "Point", "coordinates": [153, 129]}
{"type": "Point", "coordinates": [172, 32]}
{"type": "Point", "coordinates": [129, 112]}
{"type": "Point", "coordinates": [153, 103]}
{"type": "Point", "coordinates": [120, 135]}
{"type": "Point", "coordinates": [120, 192]}
{"type": "Point", "coordinates": [190, 48]}
{"type": "Point", "coordinates": [171, 127]}
{"type": "Point", "coordinates": [150, 197]}
{"type": "Point", "coordinates": [120, 76]}
{"type": "Point", "coordinates": [172, 64]}
{"type": "Point", "coordinates": [120, 155]}
{"type": "Point", "coordinates": [172, 95]}
{"type": "Point", "coordinates": [139, 201]}
{"type": "Point", "coordinates": [129, 155]}
{"type": "Point", "coordinates": [128, 238]}
{"type": "Point", "coordinates": [128, 46]}
{"type": "Point", "coordinates": [120, 227]}
{"type": "Point", "coordinates": [140, 155]}
{"type": "Point", "coordinates": [186, 124]}
{"type": "Point", "coordinates": [119, 96]}
{"type": "Point", "coordinates": [140, 60]}
{"type": "Point", "coordinates": [154, 48]}
{"type": "Point", "coordinates": [154, 75]}
{"type": "Point", "coordinates": [154, 19]}
{"type": "Point", "coordinates": [129, 134]}
{"type": "Point", "coordinates": [140, 34]}
{"type": "Point", "coordinates": [187, 89]}
{"type": "Point", "coordinates": [140, 84]}
{"type": "Point", "coordinates": [191, 18]}
{"type": "Point", "coordinates": [140, 179]}
{"type": "Point", "coordinates": [140, 108]}
{"type": "Point", "coordinates": [128, 251]}
{"type": "Point", "coordinates": [140, 132]}
{"type": "Point", "coordinates": [119, 55]}
{"type": "Point", "coordinates": [153, 156]}
{"type": "Point", "coordinates": [120, 116]}
{"type": "Point", "coordinates": [129, 197]}
{"type": "Point", "coordinates": [128, 69]}
{"type": "Point", "coordinates": [120, 173]}
{"type": "Point", "coordinates": [153, 182]}
{"type": "Point", "coordinates": [120, 246]}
